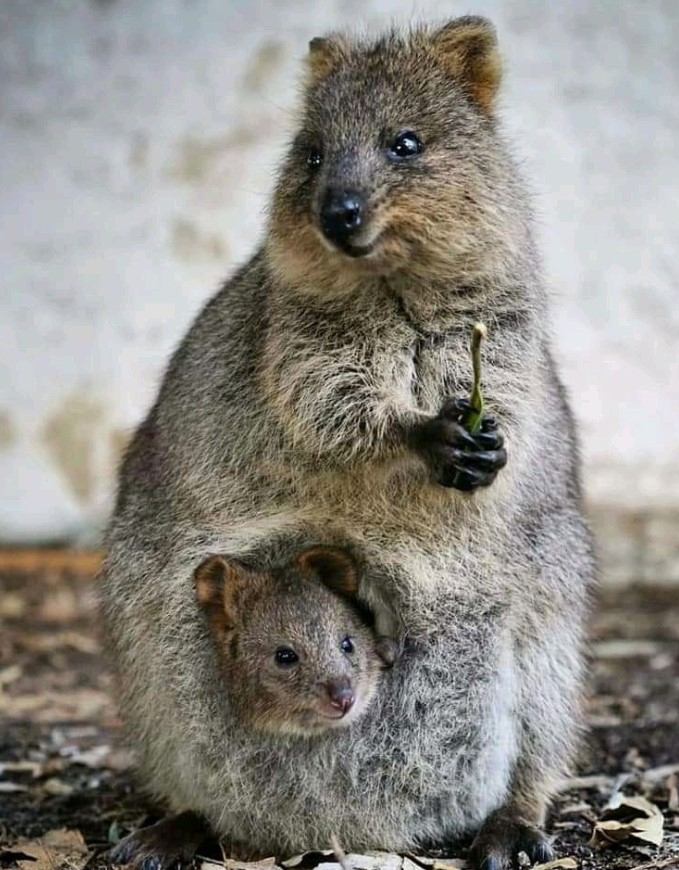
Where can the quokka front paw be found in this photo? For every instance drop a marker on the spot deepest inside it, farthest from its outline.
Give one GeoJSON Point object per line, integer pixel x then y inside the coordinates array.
{"type": "Point", "coordinates": [167, 845]}
{"type": "Point", "coordinates": [456, 457]}
{"type": "Point", "coordinates": [502, 837]}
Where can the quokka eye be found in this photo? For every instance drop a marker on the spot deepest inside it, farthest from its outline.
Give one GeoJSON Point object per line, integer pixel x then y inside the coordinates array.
{"type": "Point", "coordinates": [347, 645]}
{"type": "Point", "coordinates": [285, 657]}
{"type": "Point", "coordinates": [314, 158]}
{"type": "Point", "coordinates": [406, 144]}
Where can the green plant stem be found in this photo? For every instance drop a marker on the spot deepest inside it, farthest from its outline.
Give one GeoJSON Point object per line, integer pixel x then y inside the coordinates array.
{"type": "Point", "coordinates": [473, 421]}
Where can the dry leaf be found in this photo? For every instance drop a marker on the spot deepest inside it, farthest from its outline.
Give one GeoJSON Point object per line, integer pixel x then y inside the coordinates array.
{"type": "Point", "coordinates": [601, 782]}
{"type": "Point", "coordinates": [233, 864]}
{"type": "Point", "coordinates": [296, 860]}
{"type": "Point", "coordinates": [54, 786]}
{"type": "Point", "coordinates": [35, 768]}
{"type": "Point", "coordinates": [375, 861]}
{"type": "Point", "coordinates": [55, 849]}
{"type": "Point", "coordinates": [95, 757]}
{"type": "Point", "coordinates": [417, 862]}
{"type": "Point", "coordinates": [11, 787]}
{"type": "Point", "coordinates": [628, 818]}
{"type": "Point", "coordinates": [10, 675]}
{"type": "Point", "coordinates": [673, 793]}
{"type": "Point", "coordinates": [653, 774]}
{"type": "Point", "coordinates": [12, 605]}
{"type": "Point", "coordinates": [559, 864]}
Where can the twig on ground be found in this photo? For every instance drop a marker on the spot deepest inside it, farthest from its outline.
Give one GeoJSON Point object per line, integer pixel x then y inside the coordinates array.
{"type": "Point", "coordinates": [340, 854]}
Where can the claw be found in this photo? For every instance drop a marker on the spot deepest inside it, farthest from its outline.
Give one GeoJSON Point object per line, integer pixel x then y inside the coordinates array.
{"type": "Point", "coordinates": [492, 440]}
{"type": "Point", "coordinates": [501, 839]}
{"type": "Point", "coordinates": [454, 409]}
{"type": "Point", "coordinates": [536, 845]}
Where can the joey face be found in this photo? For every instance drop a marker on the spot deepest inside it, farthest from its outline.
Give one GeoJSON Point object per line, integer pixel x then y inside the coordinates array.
{"type": "Point", "coordinates": [397, 168]}
{"type": "Point", "coordinates": [296, 654]}
{"type": "Point", "coordinates": [308, 661]}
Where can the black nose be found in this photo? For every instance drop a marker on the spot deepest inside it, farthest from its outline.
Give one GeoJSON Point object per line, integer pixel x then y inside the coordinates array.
{"type": "Point", "coordinates": [341, 215]}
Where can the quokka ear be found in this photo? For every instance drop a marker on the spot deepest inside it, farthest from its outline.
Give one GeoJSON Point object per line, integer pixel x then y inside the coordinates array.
{"type": "Point", "coordinates": [467, 47]}
{"type": "Point", "coordinates": [388, 650]}
{"type": "Point", "coordinates": [334, 567]}
{"type": "Point", "coordinates": [325, 53]}
{"type": "Point", "coordinates": [217, 581]}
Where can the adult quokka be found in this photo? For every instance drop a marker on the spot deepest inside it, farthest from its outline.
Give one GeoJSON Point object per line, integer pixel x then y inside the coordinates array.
{"type": "Point", "coordinates": [314, 399]}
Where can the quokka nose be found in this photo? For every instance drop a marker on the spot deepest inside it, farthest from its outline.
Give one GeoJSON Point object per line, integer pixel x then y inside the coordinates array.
{"type": "Point", "coordinates": [341, 215]}
{"type": "Point", "coordinates": [341, 696]}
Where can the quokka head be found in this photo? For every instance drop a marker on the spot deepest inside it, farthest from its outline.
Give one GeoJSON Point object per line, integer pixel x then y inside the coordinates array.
{"type": "Point", "coordinates": [397, 168]}
{"type": "Point", "coordinates": [297, 651]}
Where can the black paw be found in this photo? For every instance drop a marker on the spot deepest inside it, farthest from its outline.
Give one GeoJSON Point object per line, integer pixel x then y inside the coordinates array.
{"type": "Point", "coordinates": [501, 840]}
{"type": "Point", "coordinates": [457, 458]}
{"type": "Point", "coordinates": [167, 845]}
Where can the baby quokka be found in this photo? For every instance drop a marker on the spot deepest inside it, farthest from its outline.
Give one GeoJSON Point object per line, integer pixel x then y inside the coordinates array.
{"type": "Point", "coordinates": [295, 645]}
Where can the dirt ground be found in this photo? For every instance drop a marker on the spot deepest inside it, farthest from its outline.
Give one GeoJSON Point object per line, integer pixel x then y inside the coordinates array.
{"type": "Point", "coordinates": [67, 793]}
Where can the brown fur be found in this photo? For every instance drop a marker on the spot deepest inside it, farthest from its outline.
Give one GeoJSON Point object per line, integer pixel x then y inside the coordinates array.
{"type": "Point", "coordinates": [285, 420]}
{"type": "Point", "coordinates": [306, 608]}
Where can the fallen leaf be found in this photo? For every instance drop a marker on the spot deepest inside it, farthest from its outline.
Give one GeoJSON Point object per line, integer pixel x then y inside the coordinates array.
{"type": "Point", "coordinates": [601, 782]}
{"type": "Point", "coordinates": [234, 864]}
{"type": "Point", "coordinates": [54, 786]}
{"type": "Point", "coordinates": [8, 857]}
{"type": "Point", "coordinates": [375, 861]}
{"type": "Point", "coordinates": [33, 767]}
{"type": "Point", "coordinates": [559, 864]}
{"type": "Point", "coordinates": [673, 793]}
{"type": "Point", "coordinates": [56, 848]}
{"type": "Point", "coordinates": [628, 818]}
{"type": "Point", "coordinates": [264, 864]}
{"type": "Point", "coordinates": [114, 833]}
{"type": "Point", "coordinates": [307, 859]}
{"type": "Point", "coordinates": [11, 787]}
{"type": "Point", "coordinates": [95, 757]}
{"type": "Point", "coordinates": [578, 809]}
{"type": "Point", "coordinates": [417, 862]}
{"type": "Point", "coordinates": [653, 774]}
{"type": "Point", "coordinates": [12, 605]}
{"type": "Point", "coordinates": [10, 675]}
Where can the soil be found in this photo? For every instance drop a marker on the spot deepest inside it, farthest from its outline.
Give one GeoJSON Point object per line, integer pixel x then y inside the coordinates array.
{"type": "Point", "coordinates": [62, 765]}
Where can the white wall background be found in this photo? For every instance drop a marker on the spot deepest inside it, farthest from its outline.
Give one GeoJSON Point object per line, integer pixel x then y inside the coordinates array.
{"type": "Point", "coordinates": [137, 146]}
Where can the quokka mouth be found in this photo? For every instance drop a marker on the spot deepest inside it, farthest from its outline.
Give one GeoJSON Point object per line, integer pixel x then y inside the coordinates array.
{"type": "Point", "coordinates": [356, 251]}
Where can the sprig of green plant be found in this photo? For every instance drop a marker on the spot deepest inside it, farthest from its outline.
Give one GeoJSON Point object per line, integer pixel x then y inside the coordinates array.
{"type": "Point", "coordinates": [473, 420]}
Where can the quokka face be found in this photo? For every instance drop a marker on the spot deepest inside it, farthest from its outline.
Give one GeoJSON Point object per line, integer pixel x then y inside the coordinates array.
{"type": "Point", "coordinates": [297, 654]}
{"type": "Point", "coordinates": [397, 167]}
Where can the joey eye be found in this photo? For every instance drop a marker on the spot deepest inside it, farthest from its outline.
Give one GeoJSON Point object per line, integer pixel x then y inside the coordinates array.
{"type": "Point", "coordinates": [405, 144]}
{"type": "Point", "coordinates": [285, 657]}
{"type": "Point", "coordinates": [314, 158]}
{"type": "Point", "coordinates": [347, 645]}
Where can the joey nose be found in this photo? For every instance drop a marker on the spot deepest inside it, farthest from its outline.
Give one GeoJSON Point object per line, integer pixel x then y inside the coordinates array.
{"type": "Point", "coordinates": [342, 215]}
{"type": "Point", "coordinates": [341, 696]}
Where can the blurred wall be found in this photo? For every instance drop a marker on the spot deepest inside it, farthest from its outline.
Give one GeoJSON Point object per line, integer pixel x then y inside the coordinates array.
{"type": "Point", "coordinates": [138, 146]}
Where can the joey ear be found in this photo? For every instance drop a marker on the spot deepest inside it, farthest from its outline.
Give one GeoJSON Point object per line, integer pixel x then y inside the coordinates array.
{"type": "Point", "coordinates": [468, 49]}
{"type": "Point", "coordinates": [333, 567]}
{"type": "Point", "coordinates": [388, 650]}
{"type": "Point", "coordinates": [325, 53]}
{"type": "Point", "coordinates": [217, 581]}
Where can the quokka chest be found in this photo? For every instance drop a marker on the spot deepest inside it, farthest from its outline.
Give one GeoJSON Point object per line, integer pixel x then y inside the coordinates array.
{"type": "Point", "coordinates": [433, 367]}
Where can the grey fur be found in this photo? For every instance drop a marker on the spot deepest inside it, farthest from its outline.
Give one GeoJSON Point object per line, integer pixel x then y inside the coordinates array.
{"type": "Point", "coordinates": [281, 421]}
